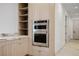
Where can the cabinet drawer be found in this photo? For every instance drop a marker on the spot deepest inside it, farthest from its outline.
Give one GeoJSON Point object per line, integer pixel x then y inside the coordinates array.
{"type": "Point", "coordinates": [40, 51]}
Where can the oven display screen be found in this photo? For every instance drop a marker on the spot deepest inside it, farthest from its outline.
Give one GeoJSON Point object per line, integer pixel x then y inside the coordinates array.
{"type": "Point", "coordinates": [40, 27]}
{"type": "Point", "coordinates": [40, 38]}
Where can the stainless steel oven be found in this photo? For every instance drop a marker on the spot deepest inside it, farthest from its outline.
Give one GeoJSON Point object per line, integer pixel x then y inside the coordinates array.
{"type": "Point", "coordinates": [40, 32]}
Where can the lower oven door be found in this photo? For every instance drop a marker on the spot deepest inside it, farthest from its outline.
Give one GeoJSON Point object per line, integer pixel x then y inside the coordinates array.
{"type": "Point", "coordinates": [40, 39]}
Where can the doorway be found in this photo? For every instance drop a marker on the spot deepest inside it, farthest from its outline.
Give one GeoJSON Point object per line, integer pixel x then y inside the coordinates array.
{"type": "Point", "coordinates": [66, 22]}
{"type": "Point", "coordinates": [76, 29]}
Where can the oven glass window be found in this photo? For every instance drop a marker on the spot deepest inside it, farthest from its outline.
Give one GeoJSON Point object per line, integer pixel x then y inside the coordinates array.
{"type": "Point", "coordinates": [41, 38]}
{"type": "Point", "coordinates": [40, 27]}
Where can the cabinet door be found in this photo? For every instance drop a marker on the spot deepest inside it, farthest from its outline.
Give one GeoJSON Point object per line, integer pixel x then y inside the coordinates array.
{"type": "Point", "coordinates": [16, 49]}
{"type": "Point", "coordinates": [44, 11]}
{"type": "Point", "coordinates": [24, 45]}
{"type": "Point", "coordinates": [35, 51]}
{"type": "Point", "coordinates": [1, 50]}
{"type": "Point", "coordinates": [7, 48]}
{"type": "Point", "coordinates": [39, 11]}
{"type": "Point", "coordinates": [40, 51]}
{"type": "Point", "coordinates": [2, 44]}
{"type": "Point", "coordinates": [34, 11]}
{"type": "Point", "coordinates": [44, 52]}
{"type": "Point", "coordinates": [20, 48]}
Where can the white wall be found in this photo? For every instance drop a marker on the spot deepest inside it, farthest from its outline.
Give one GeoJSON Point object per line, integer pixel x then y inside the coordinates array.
{"type": "Point", "coordinates": [60, 14]}
{"type": "Point", "coordinates": [8, 17]}
{"type": "Point", "coordinates": [59, 27]}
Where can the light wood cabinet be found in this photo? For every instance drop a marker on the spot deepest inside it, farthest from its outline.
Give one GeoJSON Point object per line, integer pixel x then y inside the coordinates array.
{"type": "Point", "coordinates": [40, 51]}
{"type": "Point", "coordinates": [44, 11]}
{"type": "Point", "coordinates": [7, 50]}
{"type": "Point", "coordinates": [37, 12]}
{"type": "Point", "coordinates": [15, 47]}
{"type": "Point", "coordinates": [21, 47]}
{"type": "Point", "coordinates": [40, 11]}
{"type": "Point", "coordinates": [1, 50]}
{"type": "Point", "coordinates": [2, 44]}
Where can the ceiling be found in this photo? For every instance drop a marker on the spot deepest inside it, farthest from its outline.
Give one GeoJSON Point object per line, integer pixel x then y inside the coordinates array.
{"type": "Point", "coordinates": [72, 9]}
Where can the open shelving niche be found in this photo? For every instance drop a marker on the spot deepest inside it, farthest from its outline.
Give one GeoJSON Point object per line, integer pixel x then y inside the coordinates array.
{"type": "Point", "coordinates": [23, 18]}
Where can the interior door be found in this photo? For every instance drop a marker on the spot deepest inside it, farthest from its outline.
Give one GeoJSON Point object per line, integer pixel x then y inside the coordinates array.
{"type": "Point", "coordinates": [76, 29]}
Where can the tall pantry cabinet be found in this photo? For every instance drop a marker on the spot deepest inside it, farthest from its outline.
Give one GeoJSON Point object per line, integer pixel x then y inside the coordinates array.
{"type": "Point", "coordinates": [42, 11]}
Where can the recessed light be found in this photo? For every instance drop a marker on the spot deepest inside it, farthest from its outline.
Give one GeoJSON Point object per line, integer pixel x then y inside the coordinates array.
{"type": "Point", "coordinates": [76, 7]}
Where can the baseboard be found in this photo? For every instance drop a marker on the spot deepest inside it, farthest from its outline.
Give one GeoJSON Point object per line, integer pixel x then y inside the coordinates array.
{"type": "Point", "coordinates": [27, 55]}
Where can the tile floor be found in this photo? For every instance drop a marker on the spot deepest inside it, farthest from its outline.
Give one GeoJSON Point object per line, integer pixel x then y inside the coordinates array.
{"type": "Point", "coordinates": [70, 49]}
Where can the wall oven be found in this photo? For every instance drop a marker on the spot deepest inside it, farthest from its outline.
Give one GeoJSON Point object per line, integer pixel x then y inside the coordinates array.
{"type": "Point", "coordinates": [40, 33]}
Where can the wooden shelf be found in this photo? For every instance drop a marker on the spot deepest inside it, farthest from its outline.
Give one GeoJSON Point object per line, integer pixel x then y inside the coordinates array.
{"type": "Point", "coordinates": [22, 12]}
{"type": "Point", "coordinates": [23, 32]}
{"type": "Point", "coordinates": [23, 21]}
{"type": "Point", "coordinates": [23, 29]}
{"type": "Point", "coordinates": [23, 15]}
{"type": "Point", "coordinates": [25, 8]}
{"type": "Point", "coordinates": [23, 18]}
{"type": "Point", "coordinates": [23, 5]}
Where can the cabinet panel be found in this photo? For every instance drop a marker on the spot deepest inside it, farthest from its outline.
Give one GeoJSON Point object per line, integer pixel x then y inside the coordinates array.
{"type": "Point", "coordinates": [7, 50]}
{"type": "Point", "coordinates": [16, 47]}
{"type": "Point", "coordinates": [35, 53]}
{"type": "Point", "coordinates": [44, 11]}
{"type": "Point", "coordinates": [1, 50]}
{"type": "Point", "coordinates": [40, 11]}
{"type": "Point", "coordinates": [44, 53]}
{"type": "Point", "coordinates": [2, 44]}
{"type": "Point", "coordinates": [34, 11]}
{"type": "Point", "coordinates": [40, 51]}
{"type": "Point", "coordinates": [20, 48]}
